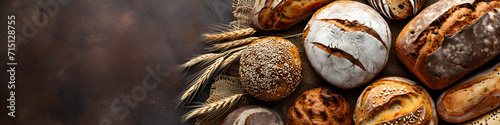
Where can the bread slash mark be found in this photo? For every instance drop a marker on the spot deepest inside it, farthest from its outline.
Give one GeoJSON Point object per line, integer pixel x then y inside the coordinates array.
{"type": "Point", "coordinates": [355, 26]}
{"type": "Point", "coordinates": [339, 53]}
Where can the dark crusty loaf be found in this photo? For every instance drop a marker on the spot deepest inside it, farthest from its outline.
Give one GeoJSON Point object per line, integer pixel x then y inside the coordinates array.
{"type": "Point", "coordinates": [472, 97]}
{"type": "Point", "coordinates": [397, 9]}
{"type": "Point", "coordinates": [449, 39]}
{"type": "Point", "coordinates": [320, 106]}
{"type": "Point", "coordinates": [272, 15]}
{"type": "Point", "coordinates": [253, 115]}
{"type": "Point", "coordinates": [394, 100]}
{"type": "Point", "coordinates": [270, 68]}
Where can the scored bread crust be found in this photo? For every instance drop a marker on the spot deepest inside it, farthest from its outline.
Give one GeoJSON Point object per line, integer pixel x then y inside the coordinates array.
{"type": "Point", "coordinates": [393, 100]}
{"type": "Point", "coordinates": [347, 43]}
{"type": "Point", "coordinates": [270, 68]}
{"type": "Point", "coordinates": [472, 97]}
{"type": "Point", "coordinates": [250, 115]}
{"type": "Point", "coordinates": [319, 106]}
{"type": "Point", "coordinates": [449, 39]}
{"type": "Point", "coordinates": [397, 9]}
{"type": "Point", "coordinates": [273, 15]}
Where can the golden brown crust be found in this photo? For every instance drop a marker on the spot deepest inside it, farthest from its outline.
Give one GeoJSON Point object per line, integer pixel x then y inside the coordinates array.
{"type": "Point", "coordinates": [285, 14]}
{"type": "Point", "coordinates": [471, 98]}
{"type": "Point", "coordinates": [270, 68]}
{"type": "Point", "coordinates": [441, 44]}
{"type": "Point", "coordinates": [320, 106]}
{"type": "Point", "coordinates": [394, 100]}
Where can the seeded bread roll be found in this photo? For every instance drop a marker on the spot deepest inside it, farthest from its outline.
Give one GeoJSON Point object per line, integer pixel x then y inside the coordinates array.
{"type": "Point", "coordinates": [253, 115]}
{"type": "Point", "coordinates": [320, 106]}
{"type": "Point", "coordinates": [270, 68]}
{"type": "Point", "coordinates": [347, 43]}
{"type": "Point", "coordinates": [397, 9]}
{"type": "Point", "coordinates": [272, 15]}
{"type": "Point", "coordinates": [449, 39]}
{"type": "Point", "coordinates": [395, 100]}
{"type": "Point", "coordinates": [472, 97]}
{"type": "Point", "coordinates": [492, 118]}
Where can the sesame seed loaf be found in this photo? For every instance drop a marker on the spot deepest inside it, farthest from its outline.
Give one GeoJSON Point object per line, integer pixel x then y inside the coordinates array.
{"type": "Point", "coordinates": [472, 97]}
{"type": "Point", "coordinates": [397, 9]}
{"type": "Point", "coordinates": [270, 68]}
{"type": "Point", "coordinates": [253, 115]}
{"type": "Point", "coordinates": [319, 106]}
{"type": "Point", "coordinates": [491, 118]}
{"type": "Point", "coordinates": [347, 43]}
{"type": "Point", "coordinates": [449, 39]}
{"type": "Point", "coordinates": [272, 15]}
{"type": "Point", "coordinates": [394, 100]}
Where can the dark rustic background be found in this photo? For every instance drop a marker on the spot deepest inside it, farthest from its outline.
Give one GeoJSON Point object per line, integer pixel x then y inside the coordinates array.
{"type": "Point", "coordinates": [85, 61]}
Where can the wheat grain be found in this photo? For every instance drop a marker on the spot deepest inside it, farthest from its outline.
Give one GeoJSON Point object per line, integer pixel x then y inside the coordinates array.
{"type": "Point", "coordinates": [223, 104]}
{"type": "Point", "coordinates": [230, 35]}
{"type": "Point", "coordinates": [234, 43]}
{"type": "Point", "coordinates": [200, 80]}
{"type": "Point", "coordinates": [199, 59]}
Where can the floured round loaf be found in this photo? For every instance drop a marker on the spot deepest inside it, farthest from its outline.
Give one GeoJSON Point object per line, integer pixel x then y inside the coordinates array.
{"type": "Point", "coordinates": [397, 9]}
{"type": "Point", "coordinates": [472, 97]}
{"type": "Point", "coordinates": [272, 15]}
{"type": "Point", "coordinates": [347, 43]}
{"type": "Point", "coordinates": [449, 39]}
{"type": "Point", "coordinates": [395, 100]}
{"type": "Point", "coordinates": [270, 68]}
{"type": "Point", "coordinates": [319, 106]}
{"type": "Point", "coordinates": [253, 115]}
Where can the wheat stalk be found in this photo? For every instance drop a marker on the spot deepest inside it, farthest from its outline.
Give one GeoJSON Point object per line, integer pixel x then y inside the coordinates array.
{"type": "Point", "coordinates": [199, 59]}
{"type": "Point", "coordinates": [200, 80]}
{"type": "Point", "coordinates": [223, 104]}
{"type": "Point", "coordinates": [234, 43]}
{"type": "Point", "coordinates": [235, 56]}
{"type": "Point", "coordinates": [230, 35]}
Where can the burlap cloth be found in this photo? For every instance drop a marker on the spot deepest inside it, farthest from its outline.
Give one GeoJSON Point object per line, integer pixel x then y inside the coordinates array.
{"type": "Point", "coordinates": [228, 83]}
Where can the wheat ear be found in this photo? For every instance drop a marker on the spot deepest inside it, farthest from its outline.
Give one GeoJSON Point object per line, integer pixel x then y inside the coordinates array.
{"type": "Point", "coordinates": [220, 105]}
{"type": "Point", "coordinates": [200, 80]}
{"type": "Point", "coordinates": [199, 59]}
{"type": "Point", "coordinates": [235, 56]}
{"type": "Point", "coordinates": [234, 43]}
{"type": "Point", "coordinates": [230, 35]}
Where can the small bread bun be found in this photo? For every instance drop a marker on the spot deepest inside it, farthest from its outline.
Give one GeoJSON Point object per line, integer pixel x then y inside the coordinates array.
{"type": "Point", "coordinates": [449, 39]}
{"type": "Point", "coordinates": [273, 15]}
{"type": "Point", "coordinates": [397, 9]}
{"type": "Point", "coordinates": [492, 118]}
{"type": "Point", "coordinates": [320, 106]}
{"type": "Point", "coordinates": [347, 43]}
{"type": "Point", "coordinates": [395, 100]}
{"type": "Point", "coordinates": [472, 97]}
{"type": "Point", "coordinates": [253, 115]}
{"type": "Point", "coordinates": [270, 68]}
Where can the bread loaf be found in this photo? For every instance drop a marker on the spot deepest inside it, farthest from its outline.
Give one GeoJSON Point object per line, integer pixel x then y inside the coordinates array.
{"type": "Point", "coordinates": [449, 39]}
{"type": "Point", "coordinates": [472, 97]}
{"type": "Point", "coordinates": [394, 100]}
{"type": "Point", "coordinates": [253, 115]}
{"type": "Point", "coordinates": [492, 118]}
{"type": "Point", "coordinates": [347, 43]}
{"type": "Point", "coordinates": [397, 9]}
{"type": "Point", "coordinates": [320, 106]}
{"type": "Point", "coordinates": [270, 68]}
{"type": "Point", "coordinates": [272, 15]}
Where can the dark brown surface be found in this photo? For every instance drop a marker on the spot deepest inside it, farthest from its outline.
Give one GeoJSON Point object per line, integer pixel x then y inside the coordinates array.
{"type": "Point", "coordinates": [93, 52]}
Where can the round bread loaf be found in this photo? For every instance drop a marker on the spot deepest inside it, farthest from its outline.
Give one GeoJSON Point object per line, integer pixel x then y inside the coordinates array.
{"type": "Point", "coordinates": [347, 43]}
{"type": "Point", "coordinates": [492, 118]}
{"type": "Point", "coordinates": [253, 115]}
{"type": "Point", "coordinates": [272, 15]}
{"type": "Point", "coordinates": [395, 100]}
{"type": "Point", "coordinates": [320, 106]}
{"type": "Point", "coordinates": [471, 97]}
{"type": "Point", "coordinates": [270, 68]}
{"type": "Point", "coordinates": [397, 9]}
{"type": "Point", "coordinates": [449, 39]}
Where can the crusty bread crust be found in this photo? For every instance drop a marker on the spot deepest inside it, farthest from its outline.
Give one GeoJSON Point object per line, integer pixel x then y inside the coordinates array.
{"type": "Point", "coordinates": [393, 100]}
{"type": "Point", "coordinates": [472, 97]}
{"type": "Point", "coordinates": [272, 15]}
{"type": "Point", "coordinates": [320, 106]}
{"type": "Point", "coordinates": [449, 39]}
